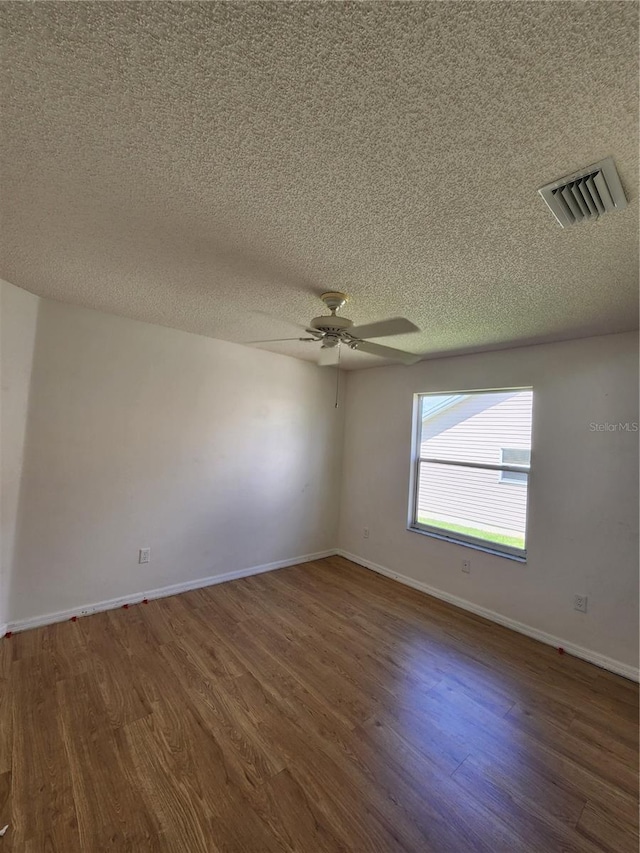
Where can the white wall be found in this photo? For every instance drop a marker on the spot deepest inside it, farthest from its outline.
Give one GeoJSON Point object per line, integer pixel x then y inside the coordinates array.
{"type": "Point", "coordinates": [18, 322]}
{"type": "Point", "coordinates": [583, 501]}
{"type": "Point", "coordinates": [216, 456]}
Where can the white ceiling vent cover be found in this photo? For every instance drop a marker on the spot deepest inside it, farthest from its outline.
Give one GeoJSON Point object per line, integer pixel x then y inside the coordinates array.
{"type": "Point", "coordinates": [586, 194]}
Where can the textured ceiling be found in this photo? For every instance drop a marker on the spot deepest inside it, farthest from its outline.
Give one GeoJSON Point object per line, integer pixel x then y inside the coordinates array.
{"type": "Point", "coordinates": [215, 166]}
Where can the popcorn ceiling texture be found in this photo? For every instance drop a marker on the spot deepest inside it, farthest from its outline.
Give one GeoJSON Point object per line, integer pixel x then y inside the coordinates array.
{"type": "Point", "coordinates": [215, 166]}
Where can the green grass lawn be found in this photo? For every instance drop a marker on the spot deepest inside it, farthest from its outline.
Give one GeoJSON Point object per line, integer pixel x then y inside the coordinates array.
{"type": "Point", "coordinates": [488, 536]}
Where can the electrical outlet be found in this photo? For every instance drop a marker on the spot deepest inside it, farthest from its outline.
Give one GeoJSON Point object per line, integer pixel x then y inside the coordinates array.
{"type": "Point", "coordinates": [466, 566]}
{"type": "Point", "coordinates": [580, 603]}
{"type": "Point", "coordinates": [144, 555]}
{"type": "Point", "coordinates": [365, 533]}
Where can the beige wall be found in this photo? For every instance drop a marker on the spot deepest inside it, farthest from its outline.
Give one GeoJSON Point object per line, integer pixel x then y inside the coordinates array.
{"type": "Point", "coordinates": [216, 456]}
{"type": "Point", "coordinates": [18, 321]}
{"type": "Point", "coordinates": [583, 500]}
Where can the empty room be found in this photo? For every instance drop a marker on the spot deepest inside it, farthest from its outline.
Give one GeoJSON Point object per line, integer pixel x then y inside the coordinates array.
{"type": "Point", "coordinates": [319, 427]}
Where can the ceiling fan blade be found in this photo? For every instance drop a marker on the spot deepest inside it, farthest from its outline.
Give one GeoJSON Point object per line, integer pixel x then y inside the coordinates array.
{"type": "Point", "coordinates": [279, 340]}
{"type": "Point", "coordinates": [393, 326]}
{"type": "Point", "coordinates": [387, 352]}
{"type": "Point", "coordinates": [329, 356]}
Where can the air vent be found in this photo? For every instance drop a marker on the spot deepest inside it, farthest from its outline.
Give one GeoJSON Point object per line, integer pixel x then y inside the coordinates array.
{"type": "Point", "coordinates": [586, 195]}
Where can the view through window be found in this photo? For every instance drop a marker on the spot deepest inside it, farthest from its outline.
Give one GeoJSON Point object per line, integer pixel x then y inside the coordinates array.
{"type": "Point", "coordinates": [472, 467]}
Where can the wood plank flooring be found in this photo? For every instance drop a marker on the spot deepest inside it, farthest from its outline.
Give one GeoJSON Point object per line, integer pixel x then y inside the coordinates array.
{"type": "Point", "coordinates": [316, 708]}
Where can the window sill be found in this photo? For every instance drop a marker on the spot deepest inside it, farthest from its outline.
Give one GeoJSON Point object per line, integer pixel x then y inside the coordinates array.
{"type": "Point", "coordinates": [487, 549]}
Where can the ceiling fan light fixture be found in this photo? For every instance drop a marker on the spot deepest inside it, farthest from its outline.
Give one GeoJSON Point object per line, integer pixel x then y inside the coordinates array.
{"type": "Point", "coordinates": [330, 341]}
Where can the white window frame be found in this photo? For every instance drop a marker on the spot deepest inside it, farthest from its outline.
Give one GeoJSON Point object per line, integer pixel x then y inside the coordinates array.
{"type": "Point", "coordinates": [413, 525]}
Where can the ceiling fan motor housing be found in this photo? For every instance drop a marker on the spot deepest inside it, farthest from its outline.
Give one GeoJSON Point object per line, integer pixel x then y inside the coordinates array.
{"type": "Point", "coordinates": [331, 325]}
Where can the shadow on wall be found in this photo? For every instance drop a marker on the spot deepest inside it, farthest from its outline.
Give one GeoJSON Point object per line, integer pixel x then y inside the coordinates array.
{"type": "Point", "coordinates": [19, 317]}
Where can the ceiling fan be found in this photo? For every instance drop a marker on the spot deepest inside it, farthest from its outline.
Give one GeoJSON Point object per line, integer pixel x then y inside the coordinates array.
{"type": "Point", "coordinates": [332, 332]}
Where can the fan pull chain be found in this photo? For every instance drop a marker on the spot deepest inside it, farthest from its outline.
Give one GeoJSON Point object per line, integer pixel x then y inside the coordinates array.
{"type": "Point", "coordinates": [338, 375]}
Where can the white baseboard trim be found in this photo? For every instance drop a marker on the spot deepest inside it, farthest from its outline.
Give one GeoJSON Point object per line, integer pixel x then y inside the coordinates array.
{"type": "Point", "coordinates": [596, 658]}
{"type": "Point", "coordinates": [160, 592]}
{"type": "Point", "coordinates": [602, 661]}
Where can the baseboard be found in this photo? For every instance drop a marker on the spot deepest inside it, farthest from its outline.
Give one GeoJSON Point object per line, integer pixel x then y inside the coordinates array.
{"type": "Point", "coordinates": [602, 661]}
{"type": "Point", "coordinates": [160, 592]}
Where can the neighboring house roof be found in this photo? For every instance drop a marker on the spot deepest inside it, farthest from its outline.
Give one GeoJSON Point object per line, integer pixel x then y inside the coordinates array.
{"type": "Point", "coordinates": [441, 404]}
{"type": "Point", "coordinates": [444, 411]}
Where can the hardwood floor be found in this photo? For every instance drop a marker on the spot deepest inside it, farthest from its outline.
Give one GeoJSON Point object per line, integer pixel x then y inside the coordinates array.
{"type": "Point", "coordinates": [316, 708]}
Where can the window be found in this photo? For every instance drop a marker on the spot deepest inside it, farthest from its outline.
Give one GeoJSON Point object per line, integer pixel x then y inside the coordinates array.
{"type": "Point", "coordinates": [514, 456]}
{"type": "Point", "coordinates": [471, 468]}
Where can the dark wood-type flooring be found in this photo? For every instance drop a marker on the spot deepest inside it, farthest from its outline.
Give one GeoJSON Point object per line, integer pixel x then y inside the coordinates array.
{"type": "Point", "coordinates": [316, 708]}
